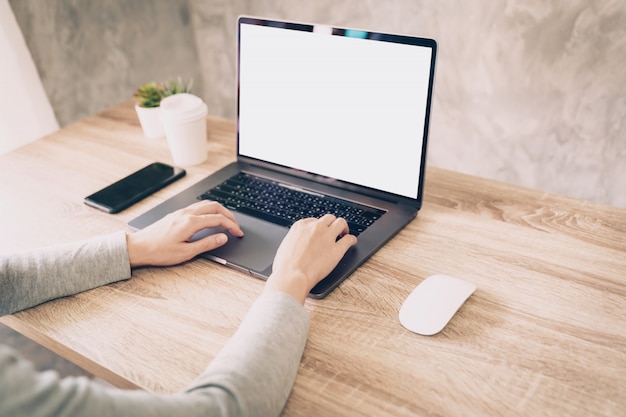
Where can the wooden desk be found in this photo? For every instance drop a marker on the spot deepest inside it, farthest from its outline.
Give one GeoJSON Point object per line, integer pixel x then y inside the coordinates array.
{"type": "Point", "coordinates": [544, 334]}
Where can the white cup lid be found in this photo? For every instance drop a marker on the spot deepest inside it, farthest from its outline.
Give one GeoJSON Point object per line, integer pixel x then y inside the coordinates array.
{"type": "Point", "coordinates": [183, 107]}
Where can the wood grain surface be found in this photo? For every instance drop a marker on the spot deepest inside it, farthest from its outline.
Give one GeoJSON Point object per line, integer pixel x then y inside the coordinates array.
{"type": "Point", "coordinates": [544, 333]}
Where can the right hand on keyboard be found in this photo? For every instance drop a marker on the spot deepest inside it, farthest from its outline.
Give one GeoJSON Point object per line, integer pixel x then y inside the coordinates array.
{"type": "Point", "coordinates": [308, 253]}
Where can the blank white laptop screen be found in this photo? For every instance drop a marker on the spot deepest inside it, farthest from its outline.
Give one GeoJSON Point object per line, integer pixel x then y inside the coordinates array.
{"type": "Point", "coordinates": [343, 107]}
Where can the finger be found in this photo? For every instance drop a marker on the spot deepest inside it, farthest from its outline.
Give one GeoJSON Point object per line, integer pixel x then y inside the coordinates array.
{"type": "Point", "coordinates": [304, 221]}
{"type": "Point", "coordinates": [328, 219]}
{"type": "Point", "coordinates": [346, 242]}
{"type": "Point", "coordinates": [208, 243]}
{"type": "Point", "coordinates": [198, 205]}
{"type": "Point", "coordinates": [212, 207]}
{"type": "Point", "coordinates": [204, 221]}
{"type": "Point", "coordinates": [340, 226]}
{"type": "Point", "coordinates": [236, 230]}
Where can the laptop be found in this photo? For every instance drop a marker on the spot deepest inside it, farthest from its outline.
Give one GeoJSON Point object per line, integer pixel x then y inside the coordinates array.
{"type": "Point", "coordinates": [329, 119]}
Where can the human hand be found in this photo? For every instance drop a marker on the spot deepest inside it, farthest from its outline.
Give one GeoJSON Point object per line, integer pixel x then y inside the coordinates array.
{"type": "Point", "coordinates": [166, 242]}
{"type": "Point", "coordinates": [308, 253]}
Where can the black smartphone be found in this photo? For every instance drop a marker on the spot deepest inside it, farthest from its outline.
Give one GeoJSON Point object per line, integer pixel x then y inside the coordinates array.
{"type": "Point", "coordinates": [131, 189]}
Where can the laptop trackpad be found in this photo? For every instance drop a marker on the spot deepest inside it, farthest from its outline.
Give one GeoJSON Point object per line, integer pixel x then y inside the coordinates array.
{"type": "Point", "coordinates": [254, 251]}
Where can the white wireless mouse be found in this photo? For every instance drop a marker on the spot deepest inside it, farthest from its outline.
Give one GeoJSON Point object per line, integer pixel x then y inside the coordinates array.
{"type": "Point", "coordinates": [433, 302]}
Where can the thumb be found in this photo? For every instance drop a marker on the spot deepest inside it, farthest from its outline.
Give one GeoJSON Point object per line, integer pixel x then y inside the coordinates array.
{"type": "Point", "coordinates": [345, 243]}
{"type": "Point", "coordinates": [209, 243]}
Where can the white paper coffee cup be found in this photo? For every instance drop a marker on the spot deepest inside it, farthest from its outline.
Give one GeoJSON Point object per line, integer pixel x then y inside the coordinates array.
{"type": "Point", "coordinates": [184, 120]}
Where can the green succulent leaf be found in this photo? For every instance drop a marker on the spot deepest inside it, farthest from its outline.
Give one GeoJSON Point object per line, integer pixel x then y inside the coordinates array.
{"type": "Point", "coordinates": [178, 86]}
{"type": "Point", "coordinates": [150, 94]}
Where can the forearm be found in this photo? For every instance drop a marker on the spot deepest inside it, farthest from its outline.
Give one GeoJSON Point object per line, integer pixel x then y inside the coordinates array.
{"type": "Point", "coordinates": [251, 376]}
{"type": "Point", "coordinates": [255, 372]}
{"type": "Point", "coordinates": [34, 277]}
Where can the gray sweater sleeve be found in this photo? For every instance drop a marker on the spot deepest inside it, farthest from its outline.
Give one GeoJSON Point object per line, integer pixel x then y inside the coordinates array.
{"type": "Point", "coordinates": [252, 375]}
{"type": "Point", "coordinates": [37, 276]}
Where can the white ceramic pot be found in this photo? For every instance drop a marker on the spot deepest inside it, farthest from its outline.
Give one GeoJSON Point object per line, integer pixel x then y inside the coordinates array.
{"type": "Point", "coordinates": [150, 120]}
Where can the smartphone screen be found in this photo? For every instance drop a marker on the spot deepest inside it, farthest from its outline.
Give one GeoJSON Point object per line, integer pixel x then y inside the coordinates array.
{"type": "Point", "coordinates": [131, 189]}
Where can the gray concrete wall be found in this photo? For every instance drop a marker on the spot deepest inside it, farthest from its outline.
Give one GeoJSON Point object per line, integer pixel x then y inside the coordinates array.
{"type": "Point", "coordinates": [531, 93]}
{"type": "Point", "coordinates": [93, 54]}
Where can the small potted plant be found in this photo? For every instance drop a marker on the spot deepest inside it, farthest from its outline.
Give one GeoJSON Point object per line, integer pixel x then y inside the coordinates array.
{"type": "Point", "coordinates": [148, 99]}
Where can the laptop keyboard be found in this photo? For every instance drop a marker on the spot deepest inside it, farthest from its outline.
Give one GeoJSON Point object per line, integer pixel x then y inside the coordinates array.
{"type": "Point", "coordinates": [284, 206]}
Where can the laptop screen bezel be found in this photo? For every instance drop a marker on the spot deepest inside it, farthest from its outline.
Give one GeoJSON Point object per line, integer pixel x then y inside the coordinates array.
{"type": "Point", "coordinates": [341, 31]}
